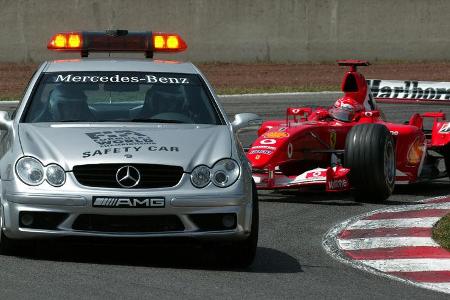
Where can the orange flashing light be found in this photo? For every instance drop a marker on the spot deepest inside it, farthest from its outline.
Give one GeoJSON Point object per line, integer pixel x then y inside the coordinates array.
{"type": "Point", "coordinates": [65, 41]}
{"type": "Point", "coordinates": [74, 41]}
{"type": "Point", "coordinates": [168, 42]}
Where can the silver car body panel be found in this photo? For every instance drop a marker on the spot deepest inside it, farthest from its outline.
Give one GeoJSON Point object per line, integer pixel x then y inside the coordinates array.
{"type": "Point", "coordinates": [67, 144]}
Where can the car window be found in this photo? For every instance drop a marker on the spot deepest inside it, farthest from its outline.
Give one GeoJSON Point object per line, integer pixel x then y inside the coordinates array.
{"type": "Point", "coordinates": [121, 97]}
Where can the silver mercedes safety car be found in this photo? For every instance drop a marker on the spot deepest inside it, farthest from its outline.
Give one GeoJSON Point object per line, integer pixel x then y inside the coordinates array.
{"type": "Point", "coordinates": [125, 148]}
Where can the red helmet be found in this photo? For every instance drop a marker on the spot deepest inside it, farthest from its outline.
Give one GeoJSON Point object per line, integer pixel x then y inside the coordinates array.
{"type": "Point", "coordinates": [345, 109]}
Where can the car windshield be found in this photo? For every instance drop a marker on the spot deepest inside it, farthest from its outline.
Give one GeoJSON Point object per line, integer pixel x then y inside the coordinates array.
{"type": "Point", "coordinates": [121, 97]}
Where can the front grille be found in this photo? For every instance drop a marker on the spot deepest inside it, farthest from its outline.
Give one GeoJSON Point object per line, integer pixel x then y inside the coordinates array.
{"type": "Point", "coordinates": [104, 175]}
{"type": "Point", "coordinates": [106, 223]}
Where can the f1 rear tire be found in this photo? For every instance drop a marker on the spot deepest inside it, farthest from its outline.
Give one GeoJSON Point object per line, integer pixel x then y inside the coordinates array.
{"type": "Point", "coordinates": [370, 156]}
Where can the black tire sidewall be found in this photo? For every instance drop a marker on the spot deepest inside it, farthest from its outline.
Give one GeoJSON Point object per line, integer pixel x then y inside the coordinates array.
{"type": "Point", "coordinates": [365, 157]}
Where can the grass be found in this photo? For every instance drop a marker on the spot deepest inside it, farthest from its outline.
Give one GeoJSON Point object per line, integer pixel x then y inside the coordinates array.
{"type": "Point", "coordinates": [9, 97]}
{"type": "Point", "coordinates": [441, 232]}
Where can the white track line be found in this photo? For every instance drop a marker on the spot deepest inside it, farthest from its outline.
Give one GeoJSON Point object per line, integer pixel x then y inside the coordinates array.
{"type": "Point", "coordinates": [443, 286]}
{"type": "Point", "coordinates": [331, 245]}
{"type": "Point", "coordinates": [386, 242]}
{"type": "Point", "coordinates": [394, 223]}
{"type": "Point", "coordinates": [409, 265]}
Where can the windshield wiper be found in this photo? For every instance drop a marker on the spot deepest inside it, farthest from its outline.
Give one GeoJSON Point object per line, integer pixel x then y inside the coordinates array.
{"type": "Point", "coordinates": [149, 120]}
{"type": "Point", "coordinates": [72, 120]}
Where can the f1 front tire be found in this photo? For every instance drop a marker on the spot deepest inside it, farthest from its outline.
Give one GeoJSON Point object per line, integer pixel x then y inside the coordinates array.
{"type": "Point", "coordinates": [370, 156]}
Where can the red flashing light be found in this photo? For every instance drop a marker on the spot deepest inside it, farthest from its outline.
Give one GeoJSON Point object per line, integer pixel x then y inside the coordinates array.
{"type": "Point", "coordinates": [117, 41]}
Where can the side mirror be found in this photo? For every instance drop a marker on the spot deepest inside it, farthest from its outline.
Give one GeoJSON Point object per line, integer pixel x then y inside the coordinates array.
{"type": "Point", "coordinates": [246, 120]}
{"type": "Point", "coordinates": [5, 121]}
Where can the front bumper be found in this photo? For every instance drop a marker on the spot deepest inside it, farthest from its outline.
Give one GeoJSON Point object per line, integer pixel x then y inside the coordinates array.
{"type": "Point", "coordinates": [74, 206]}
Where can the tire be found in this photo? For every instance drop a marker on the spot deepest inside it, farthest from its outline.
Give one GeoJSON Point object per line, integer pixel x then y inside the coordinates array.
{"type": "Point", "coordinates": [240, 254]}
{"type": "Point", "coordinates": [12, 247]}
{"type": "Point", "coordinates": [370, 156]}
{"type": "Point", "coordinates": [8, 246]}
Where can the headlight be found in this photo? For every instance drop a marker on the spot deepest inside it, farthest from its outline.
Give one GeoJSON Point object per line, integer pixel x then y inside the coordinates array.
{"type": "Point", "coordinates": [55, 175]}
{"type": "Point", "coordinates": [225, 172]}
{"type": "Point", "coordinates": [201, 176]}
{"type": "Point", "coordinates": [30, 170]}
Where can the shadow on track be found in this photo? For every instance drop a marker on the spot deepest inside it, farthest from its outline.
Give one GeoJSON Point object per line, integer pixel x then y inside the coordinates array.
{"type": "Point", "coordinates": [157, 255]}
{"type": "Point", "coordinates": [426, 189]}
{"type": "Point", "coordinates": [403, 195]}
{"type": "Point", "coordinates": [308, 196]}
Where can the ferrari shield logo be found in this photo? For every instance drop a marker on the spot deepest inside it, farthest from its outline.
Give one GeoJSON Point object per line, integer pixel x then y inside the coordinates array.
{"type": "Point", "coordinates": [332, 139]}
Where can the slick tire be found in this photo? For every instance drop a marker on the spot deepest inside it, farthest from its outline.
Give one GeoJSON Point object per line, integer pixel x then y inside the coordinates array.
{"type": "Point", "coordinates": [370, 156]}
{"type": "Point", "coordinates": [240, 254]}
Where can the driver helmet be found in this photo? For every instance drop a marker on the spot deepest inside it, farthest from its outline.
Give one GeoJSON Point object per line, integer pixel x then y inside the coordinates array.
{"type": "Point", "coordinates": [168, 98]}
{"type": "Point", "coordinates": [67, 103]}
{"type": "Point", "coordinates": [345, 109]}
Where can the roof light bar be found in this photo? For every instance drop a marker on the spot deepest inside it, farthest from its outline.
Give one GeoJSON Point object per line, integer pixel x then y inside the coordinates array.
{"type": "Point", "coordinates": [117, 41]}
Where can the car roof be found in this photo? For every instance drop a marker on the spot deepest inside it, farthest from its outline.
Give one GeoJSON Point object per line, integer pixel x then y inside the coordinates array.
{"type": "Point", "coordinates": [117, 65]}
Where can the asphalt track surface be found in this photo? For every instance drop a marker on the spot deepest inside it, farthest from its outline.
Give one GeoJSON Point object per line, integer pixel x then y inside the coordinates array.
{"type": "Point", "coordinates": [290, 262]}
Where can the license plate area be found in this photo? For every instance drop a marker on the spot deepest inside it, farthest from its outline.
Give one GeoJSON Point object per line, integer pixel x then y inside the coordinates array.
{"type": "Point", "coordinates": [128, 202]}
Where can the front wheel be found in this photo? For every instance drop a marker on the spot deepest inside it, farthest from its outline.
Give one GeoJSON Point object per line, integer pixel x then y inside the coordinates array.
{"type": "Point", "coordinates": [8, 246]}
{"type": "Point", "coordinates": [370, 156]}
{"type": "Point", "coordinates": [240, 254]}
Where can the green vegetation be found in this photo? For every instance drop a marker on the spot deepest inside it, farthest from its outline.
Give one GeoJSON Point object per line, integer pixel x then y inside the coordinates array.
{"type": "Point", "coordinates": [9, 97]}
{"type": "Point", "coordinates": [441, 232]}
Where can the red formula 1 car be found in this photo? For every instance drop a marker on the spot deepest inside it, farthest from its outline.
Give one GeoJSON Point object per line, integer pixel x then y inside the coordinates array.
{"type": "Point", "coordinates": [349, 146]}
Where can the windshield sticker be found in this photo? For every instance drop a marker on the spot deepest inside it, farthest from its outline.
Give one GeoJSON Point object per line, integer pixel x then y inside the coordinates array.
{"type": "Point", "coordinates": [118, 78]}
{"type": "Point", "coordinates": [119, 138]}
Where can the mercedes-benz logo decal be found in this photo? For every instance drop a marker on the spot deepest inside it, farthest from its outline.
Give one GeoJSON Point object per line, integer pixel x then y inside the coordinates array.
{"type": "Point", "coordinates": [128, 176]}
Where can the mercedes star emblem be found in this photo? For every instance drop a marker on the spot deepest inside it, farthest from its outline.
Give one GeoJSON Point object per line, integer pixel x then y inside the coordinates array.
{"type": "Point", "coordinates": [128, 176]}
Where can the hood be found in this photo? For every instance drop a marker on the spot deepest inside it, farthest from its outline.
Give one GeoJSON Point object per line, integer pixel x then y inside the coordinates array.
{"type": "Point", "coordinates": [184, 145]}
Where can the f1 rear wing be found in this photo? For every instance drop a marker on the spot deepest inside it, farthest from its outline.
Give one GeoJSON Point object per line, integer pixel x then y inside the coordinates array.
{"type": "Point", "coordinates": [410, 91]}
